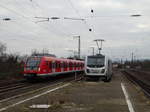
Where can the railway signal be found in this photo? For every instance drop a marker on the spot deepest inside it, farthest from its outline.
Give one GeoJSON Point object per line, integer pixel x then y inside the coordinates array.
{"type": "Point", "coordinates": [6, 19]}
{"type": "Point", "coordinates": [136, 15]}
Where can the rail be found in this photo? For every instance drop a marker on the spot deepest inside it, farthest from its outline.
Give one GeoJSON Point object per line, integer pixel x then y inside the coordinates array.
{"type": "Point", "coordinates": [17, 90]}
{"type": "Point", "coordinates": [144, 86]}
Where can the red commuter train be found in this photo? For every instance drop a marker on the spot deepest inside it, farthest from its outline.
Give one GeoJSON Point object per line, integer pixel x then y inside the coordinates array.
{"type": "Point", "coordinates": [43, 66]}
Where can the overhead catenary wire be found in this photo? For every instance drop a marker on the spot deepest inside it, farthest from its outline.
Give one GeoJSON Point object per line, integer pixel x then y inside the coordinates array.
{"type": "Point", "coordinates": [22, 16]}
{"type": "Point", "coordinates": [23, 6]}
{"type": "Point", "coordinates": [48, 19]}
{"type": "Point", "coordinates": [15, 12]}
{"type": "Point", "coordinates": [61, 31]}
{"type": "Point", "coordinates": [36, 6]}
{"type": "Point", "coordinates": [78, 14]}
{"type": "Point", "coordinates": [29, 18]}
{"type": "Point", "coordinates": [72, 5]}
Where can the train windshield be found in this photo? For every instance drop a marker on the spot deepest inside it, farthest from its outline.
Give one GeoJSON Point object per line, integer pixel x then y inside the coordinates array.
{"type": "Point", "coordinates": [33, 63]}
{"type": "Point", "coordinates": [95, 61]}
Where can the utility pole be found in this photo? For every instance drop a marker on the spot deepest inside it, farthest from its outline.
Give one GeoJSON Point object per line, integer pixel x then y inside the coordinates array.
{"type": "Point", "coordinates": [79, 46]}
{"type": "Point", "coordinates": [132, 57]}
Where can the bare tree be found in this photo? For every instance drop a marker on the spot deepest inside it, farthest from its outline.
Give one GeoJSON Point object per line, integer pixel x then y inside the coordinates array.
{"type": "Point", "coordinates": [45, 51]}
{"type": "Point", "coordinates": [2, 49]}
{"type": "Point", "coordinates": [34, 52]}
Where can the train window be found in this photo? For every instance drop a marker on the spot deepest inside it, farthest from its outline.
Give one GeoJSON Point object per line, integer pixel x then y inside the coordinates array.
{"type": "Point", "coordinates": [82, 65]}
{"type": "Point", "coordinates": [50, 64]}
{"type": "Point", "coordinates": [57, 66]}
{"type": "Point", "coordinates": [53, 64]}
{"type": "Point", "coordinates": [33, 62]}
{"type": "Point", "coordinates": [70, 64]}
{"type": "Point", "coordinates": [63, 64]}
{"type": "Point", "coordinates": [76, 64]}
{"type": "Point", "coordinates": [47, 63]}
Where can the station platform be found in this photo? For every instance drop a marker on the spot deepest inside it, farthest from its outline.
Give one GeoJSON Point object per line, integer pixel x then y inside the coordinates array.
{"type": "Point", "coordinates": [119, 95]}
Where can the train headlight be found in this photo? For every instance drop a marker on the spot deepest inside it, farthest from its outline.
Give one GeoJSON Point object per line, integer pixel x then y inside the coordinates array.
{"type": "Point", "coordinates": [39, 69]}
{"type": "Point", "coordinates": [103, 70]}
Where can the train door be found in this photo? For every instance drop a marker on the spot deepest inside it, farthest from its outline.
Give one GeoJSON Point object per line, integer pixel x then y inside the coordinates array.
{"type": "Point", "coordinates": [70, 66]}
{"type": "Point", "coordinates": [58, 68]}
{"type": "Point", "coordinates": [82, 66]}
{"type": "Point", "coordinates": [50, 66]}
{"type": "Point", "coordinates": [74, 65]}
{"type": "Point", "coordinates": [62, 66]}
{"type": "Point", "coordinates": [53, 67]}
{"type": "Point", "coordinates": [78, 66]}
{"type": "Point", "coordinates": [65, 66]}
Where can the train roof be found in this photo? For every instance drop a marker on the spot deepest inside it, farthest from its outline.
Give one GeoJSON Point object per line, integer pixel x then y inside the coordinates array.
{"type": "Point", "coordinates": [55, 58]}
{"type": "Point", "coordinates": [45, 54]}
{"type": "Point", "coordinates": [97, 55]}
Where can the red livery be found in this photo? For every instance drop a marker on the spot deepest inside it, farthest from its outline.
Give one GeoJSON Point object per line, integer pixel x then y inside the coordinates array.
{"type": "Point", "coordinates": [42, 66]}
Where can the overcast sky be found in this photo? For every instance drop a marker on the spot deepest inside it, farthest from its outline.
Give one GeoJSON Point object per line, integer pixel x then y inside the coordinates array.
{"type": "Point", "coordinates": [110, 21]}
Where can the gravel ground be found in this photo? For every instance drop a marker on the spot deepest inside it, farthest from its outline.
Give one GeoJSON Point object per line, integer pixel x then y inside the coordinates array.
{"type": "Point", "coordinates": [144, 76]}
{"type": "Point", "coordinates": [88, 96]}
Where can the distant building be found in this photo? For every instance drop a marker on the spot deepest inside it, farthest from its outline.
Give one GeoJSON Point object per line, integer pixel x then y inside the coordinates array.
{"type": "Point", "coordinates": [115, 65]}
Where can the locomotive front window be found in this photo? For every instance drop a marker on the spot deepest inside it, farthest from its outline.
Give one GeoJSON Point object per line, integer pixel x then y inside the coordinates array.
{"type": "Point", "coordinates": [33, 63]}
{"type": "Point", "coordinates": [95, 61]}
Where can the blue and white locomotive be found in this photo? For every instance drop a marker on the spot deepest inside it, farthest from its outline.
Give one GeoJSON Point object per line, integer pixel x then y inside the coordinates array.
{"type": "Point", "coordinates": [98, 66]}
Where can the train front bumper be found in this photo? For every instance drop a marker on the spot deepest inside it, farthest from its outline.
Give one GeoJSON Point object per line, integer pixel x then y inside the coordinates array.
{"type": "Point", "coordinates": [95, 71]}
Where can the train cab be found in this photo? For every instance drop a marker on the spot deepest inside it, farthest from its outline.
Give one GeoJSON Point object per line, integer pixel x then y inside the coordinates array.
{"type": "Point", "coordinates": [98, 66]}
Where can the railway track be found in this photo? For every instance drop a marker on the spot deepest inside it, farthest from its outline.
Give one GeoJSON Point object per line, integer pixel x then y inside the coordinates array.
{"type": "Point", "coordinates": [19, 89]}
{"type": "Point", "coordinates": [8, 83]}
{"type": "Point", "coordinates": [144, 86]}
{"type": "Point", "coordinates": [12, 87]}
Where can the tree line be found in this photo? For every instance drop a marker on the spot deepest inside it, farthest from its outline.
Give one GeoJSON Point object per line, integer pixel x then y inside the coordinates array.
{"type": "Point", "coordinates": [11, 65]}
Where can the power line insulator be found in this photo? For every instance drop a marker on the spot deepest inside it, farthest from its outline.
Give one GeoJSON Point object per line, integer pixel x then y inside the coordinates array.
{"type": "Point", "coordinates": [6, 19]}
